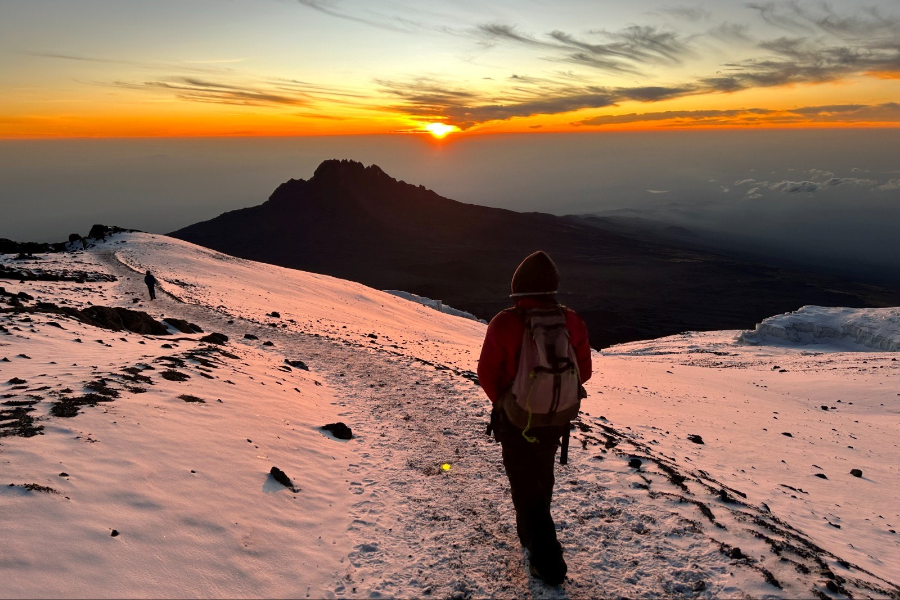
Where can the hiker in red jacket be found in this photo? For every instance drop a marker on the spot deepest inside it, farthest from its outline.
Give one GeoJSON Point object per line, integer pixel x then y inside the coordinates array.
{"type": "Point", "coordinates": [529, 434]}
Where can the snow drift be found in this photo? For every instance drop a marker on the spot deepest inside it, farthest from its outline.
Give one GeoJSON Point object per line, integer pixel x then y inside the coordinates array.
{"type": "Point", "coordinates": [842, 328]}
{"type": "Point", "coordinates": [435, 304]}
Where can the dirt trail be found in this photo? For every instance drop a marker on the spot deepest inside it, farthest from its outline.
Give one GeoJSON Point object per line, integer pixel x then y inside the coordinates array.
{"type": "Point", "coordinates": [420, 531]}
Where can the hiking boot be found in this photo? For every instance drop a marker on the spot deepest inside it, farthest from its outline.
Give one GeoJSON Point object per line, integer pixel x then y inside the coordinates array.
{"type": "Point", "coordinates": [553, 573]}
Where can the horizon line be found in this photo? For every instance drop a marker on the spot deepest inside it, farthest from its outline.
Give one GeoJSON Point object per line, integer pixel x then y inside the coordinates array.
{"type": "Point", "coordinates": [426, 135]}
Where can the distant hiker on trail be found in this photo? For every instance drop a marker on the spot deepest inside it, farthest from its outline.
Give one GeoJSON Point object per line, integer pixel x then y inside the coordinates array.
{"type": "Point", "coordinates": [535, 357]}
{"type": "Point", "coordinates": [150, 280]}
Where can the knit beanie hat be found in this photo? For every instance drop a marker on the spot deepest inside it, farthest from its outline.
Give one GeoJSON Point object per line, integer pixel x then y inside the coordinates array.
{"type": "Point", "coordinates": [536, 276]}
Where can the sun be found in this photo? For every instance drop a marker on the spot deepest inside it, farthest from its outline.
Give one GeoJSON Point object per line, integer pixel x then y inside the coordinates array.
{"type": "Point", "coordinates": [440, 130]}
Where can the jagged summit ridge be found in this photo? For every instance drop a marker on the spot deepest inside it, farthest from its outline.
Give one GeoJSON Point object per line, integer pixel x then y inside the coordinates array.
{"type": "Point", "coordinates": [335, 167]}
{"type": "Point", "coordinates": [340, 174]}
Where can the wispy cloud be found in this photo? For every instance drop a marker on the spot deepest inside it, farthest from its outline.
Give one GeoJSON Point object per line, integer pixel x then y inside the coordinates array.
{"type": "Point", "coordinates": [464, 108]}
{"type": "Point", "coordinates": [329, 7]}
{"type": "Point", "coordinates": [865, 23]}
{"type": "Point", "coordinates": [243, 90]}
{"type": "Point", "coordinates": [803, 60]}
{"type": "Point", "coordinates": [844, 113]}
{"type": "Point", "coordinates": [812, 44]}
{"type": "Point", "coordinates": [624, 51]}
{"type": "Point", "coordinates": [186, 66]}
{"type": "Point", "coordinates": [217, 61]}
{"type": "Point", "coordinates": [687, 13]}
{"type": "Point", "coordinates": [197, 90]}
{"type": "Point", "coordinates": [67, 56]}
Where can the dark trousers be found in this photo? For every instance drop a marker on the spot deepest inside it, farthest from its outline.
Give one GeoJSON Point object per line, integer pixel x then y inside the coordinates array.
{"type": "Point", "coordinates": [152, 289]}
{"type": "Point", "coordinates": [529, 467]}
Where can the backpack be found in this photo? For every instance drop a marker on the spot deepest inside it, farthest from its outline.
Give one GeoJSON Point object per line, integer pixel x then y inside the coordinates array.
{"type": "Point", "coordinates": [546, 390]}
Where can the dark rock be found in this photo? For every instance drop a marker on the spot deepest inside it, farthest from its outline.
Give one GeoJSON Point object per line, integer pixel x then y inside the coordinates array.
{"type": "Point", "coordinates": [135, 300]}
{"type": "Point", "coordinates": [267, 343]}
{"type": "Point", "coordinates": [821, 475]}
{"type": "Point", "coordinates": [695, 438]}
{"type": "Point", "coordinates": [250, 336]}
{"type": "Point", "coordinates": [635, 463]}
{"type": "Point", "coordinates": [115, 533]}
{"type": "Point", "coordinates": [101, 387]}
{"type": "Point", "coordinates": [190, 398]}
{"type": "Point", "coordinates": [24, 296]}
{"type": "Point", "coordinates": [281, 477]}
{"type": "Point", "coordinates": [117, 319]}
{"type": "Point", "coordinates": [856, 472]}
{"type": "Point", "coordinates": [98, 232]}
{"type": "Point", "coordinates": [36, 487]}
{"type": "Point", "coordinates": [372, 335]}
{"type": "Point", "coordinates": [339, 430]}
{"type": "Point", "coordinates": [182, 325]}
{"type": "Point", "coordinates": [68, 407]}
{"type": "Point", "coordinates": [787, 433]}
{"type": "Point", "coordinates": [274, 314]}
{"type": "Point", "coordinates": [173, 375]}
{"type": "Point", "coordinates": [28, 248]}
{"type": "Point", "coordinates": [735, 553]}
{"type": "Point", "coordinates": [16, 381]}
{"type": "Point", "coordinates": [297, 364]}
{"type": "Point", "coordinates": [215, 338]}
{"type": "Point", "coordinates": [63, 474]}
{"type": "Point", "coordinates": [167, 346]}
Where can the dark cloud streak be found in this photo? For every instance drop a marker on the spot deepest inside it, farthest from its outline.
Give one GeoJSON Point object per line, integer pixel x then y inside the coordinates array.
{"type": "Point", "coordinates": [327, 8]}
{"type": "Point", "coordinates": [887, 112]}
{"type": "Point", "coordinates": [622, 51]}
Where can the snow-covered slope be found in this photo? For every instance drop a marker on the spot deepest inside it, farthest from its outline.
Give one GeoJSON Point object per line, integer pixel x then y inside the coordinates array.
{"type": "Point", "coordinates": [186, 484]}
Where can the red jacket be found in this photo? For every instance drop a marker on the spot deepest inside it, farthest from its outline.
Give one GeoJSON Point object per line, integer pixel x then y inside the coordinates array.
{"type": "Point", "coordinates": [500, 353]}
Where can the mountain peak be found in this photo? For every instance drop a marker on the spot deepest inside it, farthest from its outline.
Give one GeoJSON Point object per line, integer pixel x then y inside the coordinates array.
{"type": "Point", "coordinates": [344, 168]}
{"type": "Point", "coordinates": [333, 174]}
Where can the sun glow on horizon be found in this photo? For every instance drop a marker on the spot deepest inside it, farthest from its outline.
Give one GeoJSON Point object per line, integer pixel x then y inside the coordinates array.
{"type": "Point", "coordinates": [440, 130]}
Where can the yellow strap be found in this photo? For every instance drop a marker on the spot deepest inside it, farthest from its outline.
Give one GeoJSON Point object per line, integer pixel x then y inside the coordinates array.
{"type": "Point", "coordinates": [528, 438]}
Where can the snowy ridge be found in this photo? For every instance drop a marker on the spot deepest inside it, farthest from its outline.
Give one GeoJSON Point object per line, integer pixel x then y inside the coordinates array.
{"type": "Point", "coordinates": [846, 328]}
{"type": "Point", "coordinates": [765, 506]}
{"type": "Point", "coordinates": [435, 304]}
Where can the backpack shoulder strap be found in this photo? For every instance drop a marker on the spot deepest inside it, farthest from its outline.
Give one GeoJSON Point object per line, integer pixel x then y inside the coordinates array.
{"type": "Point", "coordinates": [521, 314]}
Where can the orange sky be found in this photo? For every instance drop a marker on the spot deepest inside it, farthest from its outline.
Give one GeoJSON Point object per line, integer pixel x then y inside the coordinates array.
{"type": "Point", "coordinates": [166, 69]}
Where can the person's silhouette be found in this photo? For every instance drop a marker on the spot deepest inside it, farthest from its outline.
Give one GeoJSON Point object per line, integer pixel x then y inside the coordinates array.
{"type": "Point", "coordinates": [150, 280]}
